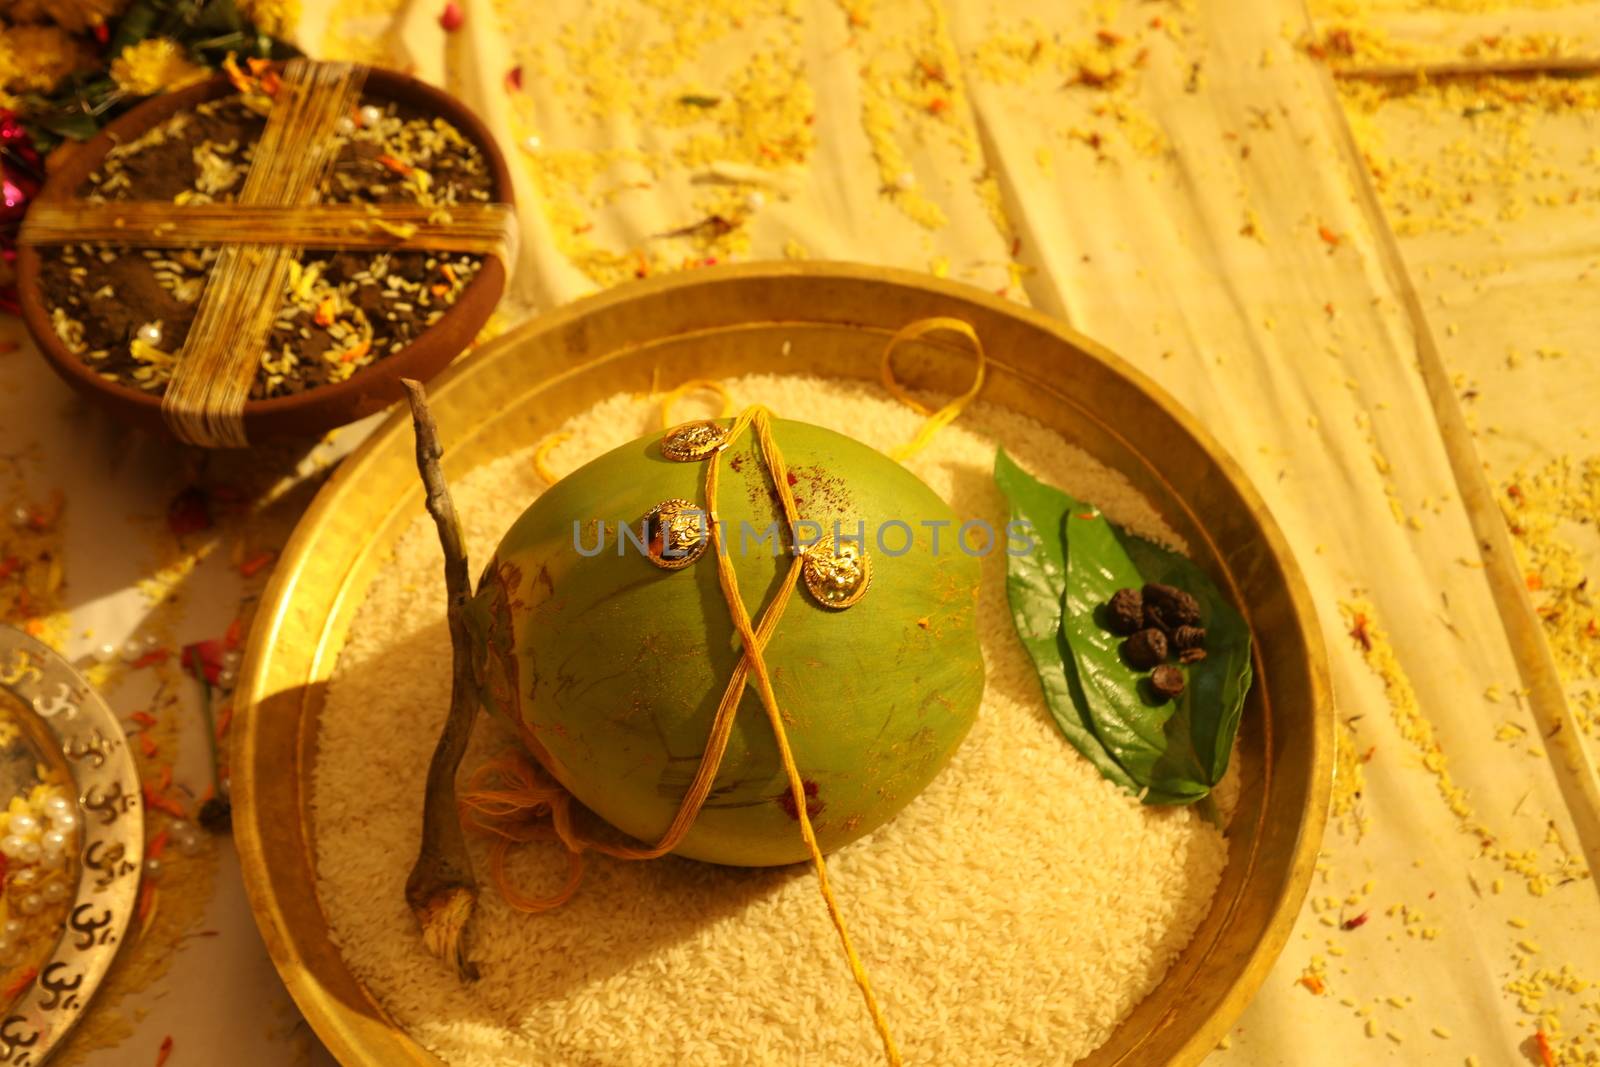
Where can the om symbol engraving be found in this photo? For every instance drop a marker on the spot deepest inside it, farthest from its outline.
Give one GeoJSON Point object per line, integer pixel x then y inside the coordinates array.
{"type": "Point", "coordinates": [63, 702]}
{"type": "Point", "coordinates": [109, 804]}
{"type": "Point", "coordinates": [59, 988]}
{"type": "Point", "coordinates": [93, 748]}
{"type": "Point", "coordinates": [90, 931]}
{"type": "Point", "coordinates": [17, 1038]}
{"type": "Point", "coordinates": [109, 862]}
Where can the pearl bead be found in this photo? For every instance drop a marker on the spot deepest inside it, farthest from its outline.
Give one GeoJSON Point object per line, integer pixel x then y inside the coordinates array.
{"type": "Point", "coordinates": [54, 841]}
{"type": "Point", "coordinates": [58, 805]}
{"type": "Point", "coordinates": [7, 946]}
{"type": "Point", "coordinates": [532, 143]}
{"type": "Point", "coordinates": [29, 852]}
{"type": "Point", "coordinates": [151, 642]}
{"type": "Point", "coordinates": [346, 125]}
{"type": "Point", "coordinates": [755, 201]}
{"type": "Point", "coordinates": [132, 649]}
{"type": "Point", "coordinates": [225, 788]}
{"type": "Point", "coordinates": [105, 653]}
{"type": "Point", "coordinates": [52, 858]}
{"type": "Point", "coordinates": [231, 658]}
{"type": "Point", "coordinates": [13, 927]}
{"type": "Point", "coordinates": [185, 836]}
{"type": "Point", "coordinates": [150, 333]}
{"type": "Point", "coordinates": [24, 825]}
{"type": "Point", "coordinates": [66, 822]}
{"type": "Point", "coordinates": [371, 115]}
{"type": "Point", "coordinates": [24, 878]}
{"type": "Point", "coordinates": [226, 678]}
{"type": "Point", "coordinates": [30, 904]}
{"type": "Point", "coordinates": [21, 515]}
{"type": "Point", "coordinates": [152, 867]}
{"type": "Point", "coordinates": [12, 846]}
{"type": "Point", "coordinates": [55, 892]}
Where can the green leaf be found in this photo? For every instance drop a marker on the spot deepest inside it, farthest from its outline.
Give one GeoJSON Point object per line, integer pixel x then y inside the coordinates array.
{"type": "Point", "coordinates": [1035, 582]}
{"type": "Point", "coordinates": [213, 50]}
{"type": "Point", "coordinates": [217, 17]}
{"type": "Point", "coordinates": [72, 124]}
{"type": "Point", "coordinates": [137, 24]}
{"type": "Point", "coordinates": [1150, 739]}
{"type": "Point", "coordinates": [696, 100]}
{"type": "Point", "coordinates": [1214, 689]}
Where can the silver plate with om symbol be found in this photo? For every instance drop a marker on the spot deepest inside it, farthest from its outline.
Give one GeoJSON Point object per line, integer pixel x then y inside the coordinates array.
{"type": "Point", "coordinates": [59, 739]}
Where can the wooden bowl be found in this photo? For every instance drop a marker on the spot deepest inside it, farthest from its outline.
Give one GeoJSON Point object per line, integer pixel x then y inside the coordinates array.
{"type": "Point", "coordinates": [317, 410]}
{"type": "Point", "coordinates": [728, 321]}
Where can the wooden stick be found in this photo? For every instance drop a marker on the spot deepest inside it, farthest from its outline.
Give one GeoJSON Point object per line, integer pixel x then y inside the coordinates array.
{"type": "Point", "coordinates": [441, 889]}
{"type": "Point", "coordinates": [1465, 68]}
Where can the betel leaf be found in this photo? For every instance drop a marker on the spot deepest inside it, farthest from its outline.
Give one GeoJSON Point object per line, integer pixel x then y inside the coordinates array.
{"type": "Point", "coordinates": [1150, 738]}
{"type": "Point", "coordinates": [1214, 689]}
{"type": "Point", "coordinates": [1171, 753]}
{"type": "Point", "coordinates": [1035, 582]}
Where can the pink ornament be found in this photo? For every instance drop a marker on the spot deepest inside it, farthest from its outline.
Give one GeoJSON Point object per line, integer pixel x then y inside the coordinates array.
{"type": "Point", "coordinates": [21, 173]}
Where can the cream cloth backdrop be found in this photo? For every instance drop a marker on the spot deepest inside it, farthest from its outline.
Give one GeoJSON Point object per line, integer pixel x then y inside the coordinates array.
{"type": "Point", "coordinates": [1177, 184]}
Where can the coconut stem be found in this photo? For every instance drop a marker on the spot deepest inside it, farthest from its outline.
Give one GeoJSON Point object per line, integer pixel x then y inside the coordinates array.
{"type": "Point", "coordinates": [441, 890]}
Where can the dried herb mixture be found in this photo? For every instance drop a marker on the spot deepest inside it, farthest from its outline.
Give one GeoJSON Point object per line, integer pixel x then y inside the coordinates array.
{"type": "Point", "coordinates": [127, 312]}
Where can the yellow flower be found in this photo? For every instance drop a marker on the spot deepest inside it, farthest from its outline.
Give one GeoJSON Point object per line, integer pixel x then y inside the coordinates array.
{"type": "Point", "coordinates": [75, 16]}
{"type": "Point", "coordinates": [34, 58]}
{"type": "Point", "coordinates": [277, 17]}
{"type": "Point", "coordinates": [153, 66]}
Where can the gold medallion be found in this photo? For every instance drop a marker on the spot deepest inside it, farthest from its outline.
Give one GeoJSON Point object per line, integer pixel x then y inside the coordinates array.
{"type": "Point", "coordinates": [676, 533]}
{"type": "Point", "coordinates": [692, 441]}
{"type": "Point", "coordinates": [836, 579]}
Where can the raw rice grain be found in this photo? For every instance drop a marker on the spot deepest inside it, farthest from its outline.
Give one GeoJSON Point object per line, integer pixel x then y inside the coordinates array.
{"type": "Point", "coordinates": [1012, 914]}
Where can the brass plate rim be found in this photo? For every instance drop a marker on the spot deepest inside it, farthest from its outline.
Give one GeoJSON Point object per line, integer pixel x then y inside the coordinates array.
{"type": "Point", "coordinates": [344, 1028]}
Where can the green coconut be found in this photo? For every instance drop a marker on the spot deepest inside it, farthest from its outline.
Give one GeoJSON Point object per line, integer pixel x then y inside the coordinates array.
{"type": "Point", "coordinates": [610, 667]}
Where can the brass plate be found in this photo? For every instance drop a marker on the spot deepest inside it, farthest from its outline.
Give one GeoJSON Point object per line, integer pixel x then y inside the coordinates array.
{"type": "Point", "coordinates": [65, 725]}
{"type": "Point", "coordinates": [764, 317]}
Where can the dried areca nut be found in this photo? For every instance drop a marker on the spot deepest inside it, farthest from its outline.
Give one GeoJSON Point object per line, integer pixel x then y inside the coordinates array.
{"type": "Point", "coordinates": [1187, 637]}
{"type": "Point", "coordinates": [1125, 612]}
{"type": "Point", "coordinates": [1191, 655]}
{"type": "Point", "coordinates": [1167, 681]}
{"type": "Point", "coordinates": [1146, 649]}
{"type": "Point", "coordinates": [1172, 605]}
